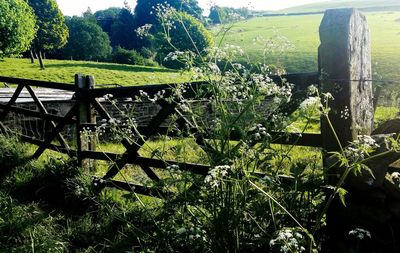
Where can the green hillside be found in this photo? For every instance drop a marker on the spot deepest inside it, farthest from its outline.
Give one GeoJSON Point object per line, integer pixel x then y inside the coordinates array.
{"type": "Point", "coordinates": [104, 73]}
{"type": "Point", "coordinates": [302, 32]}
{"type": "Point", "coordinates": [322, 6]}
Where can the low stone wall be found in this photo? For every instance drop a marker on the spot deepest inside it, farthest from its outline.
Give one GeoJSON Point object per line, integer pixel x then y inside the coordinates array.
{"type": "Point", "coordinates": [142, 112]}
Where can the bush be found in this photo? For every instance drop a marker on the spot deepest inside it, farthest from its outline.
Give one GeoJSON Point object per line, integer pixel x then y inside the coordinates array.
{"type": "Point", "coordinates": [124, 56]}
{"type": "Point", "coordinates": [186, 34]}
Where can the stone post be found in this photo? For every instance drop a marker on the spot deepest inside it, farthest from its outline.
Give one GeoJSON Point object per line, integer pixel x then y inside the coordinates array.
{"type": "Point", "coordinates": [345, 68]}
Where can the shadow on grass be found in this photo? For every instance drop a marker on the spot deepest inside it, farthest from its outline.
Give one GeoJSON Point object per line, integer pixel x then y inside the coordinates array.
{"type": "Point", "coordinates": [109, 66]}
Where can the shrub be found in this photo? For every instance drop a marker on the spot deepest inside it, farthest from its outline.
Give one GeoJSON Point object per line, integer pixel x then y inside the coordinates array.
{"type": "Point", "coordinates": [181, 33]}
{"type": "Point", "coordinates": [12, 154]}
{"type": "Point", "coordinates": [124, 56]}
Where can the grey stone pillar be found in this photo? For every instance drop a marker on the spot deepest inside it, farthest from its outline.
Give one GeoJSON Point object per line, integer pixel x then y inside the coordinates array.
{"type": "Point", "coordinates": [345, 68]}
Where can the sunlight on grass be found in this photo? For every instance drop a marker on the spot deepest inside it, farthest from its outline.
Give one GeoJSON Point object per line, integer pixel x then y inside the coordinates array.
{"type": "Point", "coordinates": [104, 73]}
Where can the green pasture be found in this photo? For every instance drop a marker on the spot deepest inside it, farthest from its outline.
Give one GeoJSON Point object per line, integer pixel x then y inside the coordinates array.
{"type": "Point", "coordinates": [104, 73]}
{"type": "Point", "coordinates": [302, 33]}
{"type": "Point", "coordinates": [321, 6]}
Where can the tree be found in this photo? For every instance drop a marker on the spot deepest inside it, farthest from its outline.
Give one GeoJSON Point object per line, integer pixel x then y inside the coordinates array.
{"type": "Point", "coordinates": [220, 15]}
{"type": "Point", "coordinates": [17, 27]}
{"type": "Point", "coordinates": [87, 41]}
{"type": "Point", "coordinates": [88, 15]}
{"type": "Point", "coordinates": [187, 34]}
{"type": "Point", "coordinates": [145, 9]}
{"type": "Point", "coordinates": [146, 13]}
{"type": "Point", "coordinates": [106, 18]}
{"type": "Point", "coordinates": [216, 15]}
{"type": "Point", "coordinates": [52, 32]}
{"type": "Point", "coordinates": [123, 30]}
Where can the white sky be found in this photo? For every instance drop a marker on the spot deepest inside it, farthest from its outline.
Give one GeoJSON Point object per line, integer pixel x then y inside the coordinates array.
{"type": "Point", "coordinates": [76, 7]}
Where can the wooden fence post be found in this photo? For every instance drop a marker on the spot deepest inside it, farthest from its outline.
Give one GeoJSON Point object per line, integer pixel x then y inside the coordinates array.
{"type": "Point", "coordinates": [345, 69]}
{"type": "Point", "coordinates": [86, 117]}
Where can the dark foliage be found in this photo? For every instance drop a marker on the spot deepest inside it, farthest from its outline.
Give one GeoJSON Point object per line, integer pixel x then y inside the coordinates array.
{"type": "Point", "coordinates": [123, 30]}
{"type": "Point", "coordinates": [106, 18]}
{"type": "Point", "coordinates": [132, 57]}
{"type": "Point", "coordinates": [87, 41]}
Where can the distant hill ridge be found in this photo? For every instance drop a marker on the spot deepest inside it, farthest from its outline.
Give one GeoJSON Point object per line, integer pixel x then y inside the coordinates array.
{"type": "Point", "coordinates": [366, 5]}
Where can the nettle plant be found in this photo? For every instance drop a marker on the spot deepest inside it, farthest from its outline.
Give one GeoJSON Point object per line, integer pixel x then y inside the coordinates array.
{"type": "Point", "coordinates": [257, 195]}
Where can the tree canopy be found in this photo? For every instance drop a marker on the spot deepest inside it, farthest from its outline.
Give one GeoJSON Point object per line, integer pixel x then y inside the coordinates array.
{"type": "Point", "coordinates": [52, 31]}
{"type": "Point", "coordinates": [17, 27]}
{"type": "Point", "coordinates": [106, 18]}
{"type": "Point", "coordinates": [123, 30]}
{"type": "Point", "coordinates": [87, 41]}
{"type": "Point", "coordinates": [187, 34]}
{"type": "Point", "coordinates": [145, 9]}
{"type": "Point", "coordinates": [220, 15]}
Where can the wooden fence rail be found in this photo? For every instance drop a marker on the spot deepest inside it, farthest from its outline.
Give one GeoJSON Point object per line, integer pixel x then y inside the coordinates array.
{"type": "Point", "coordinates": [344, 55]}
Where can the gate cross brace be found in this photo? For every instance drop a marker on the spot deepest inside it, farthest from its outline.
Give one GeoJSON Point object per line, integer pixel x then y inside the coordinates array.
{"type": "Point", "coordinates": [13, 99]}
{"type": "Point", "coordinates": [55, 132]}
{"type": "Point", "coordinates": [43, 110]}
{"type": "Point", "coordinates": [132, 149]}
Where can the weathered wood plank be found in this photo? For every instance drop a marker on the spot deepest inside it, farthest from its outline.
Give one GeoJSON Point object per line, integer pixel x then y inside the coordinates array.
{"type": "Point", "coordinates": [57, 148]}
{"type": "Point", "coordinates": [301, 81]}
{"type": "Point", "coordinates": [132, 149]}
{"type": "Point", "coordinates": [85, 115]}
{"type": "Point", "coordinates": [43, 110]}
{"type": "Point", "coordinates": [139, 189]}
{"type": "Point", "coordinates": [55, 132]}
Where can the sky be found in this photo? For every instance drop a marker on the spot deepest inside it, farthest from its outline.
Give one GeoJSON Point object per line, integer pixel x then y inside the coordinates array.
{"type": "Point", "coordinates": [76, 7]}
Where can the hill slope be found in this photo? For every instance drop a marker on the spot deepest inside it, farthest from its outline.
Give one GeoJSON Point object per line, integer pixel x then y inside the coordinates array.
{"type": "Point", "coordinates": [362, 4]}
{"type": "Point", "coordinates": [104, 73]}
{"type": "Point", "coordinates": [302, 31]}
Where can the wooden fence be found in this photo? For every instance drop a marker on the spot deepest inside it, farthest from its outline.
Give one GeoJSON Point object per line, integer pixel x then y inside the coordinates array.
{"type": "Point", "coordinates": [344, 71]}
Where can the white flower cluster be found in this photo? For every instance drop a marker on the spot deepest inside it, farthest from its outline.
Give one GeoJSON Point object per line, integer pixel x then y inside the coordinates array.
{"type": "Point", "coordinates": [274, 44]}
{"type": "Point", "coordinates": [159, 95]}
{"type": "Point", "coordinates": [360, 234]}
{"type": "Point", "coordinates": [312, 90]}
{"type": "Point", "coordinates": [311, 103]}
{"type": "Point", "coordinates": [361, 148]}
{"type": "Point", "coordinates": [192, 233]}
{"type": "Point", "coordinates": [164, 13]}
{"type": "Point", "coordinates": [259, 131]}
{"type": "Point", "coordinates": [216, 174]}
{"type": "Point", "coordinates": [228, 52]}
{"type": "Point", "coordinates": [108, 97]}
{"type": "Point", "coordinates": [345, 113]}
{"type": "Point", "coordinates": [144, 30]}
{"type": "Point", "coordinates": [267, 87]}
{"type": "Point", "coordinates": [184, 107]}
{"type": "Point", "coordinates": [173, 168]}
{"type": "Point", "coordinates": [288, 240]}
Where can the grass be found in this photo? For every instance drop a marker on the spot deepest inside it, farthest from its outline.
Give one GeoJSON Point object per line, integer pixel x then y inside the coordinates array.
{"type": "Point", "coordinates": [46, 205]}
{"type": "Point", "coordinates": [104, 73]}
{"type": "Point", "coordinates": [302, 32]}
{"type": "Point", "coordinates": [321, 6]}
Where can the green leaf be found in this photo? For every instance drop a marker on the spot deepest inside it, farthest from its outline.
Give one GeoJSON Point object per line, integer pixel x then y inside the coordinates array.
{"type": "Point", "coordinates": [342, 193]}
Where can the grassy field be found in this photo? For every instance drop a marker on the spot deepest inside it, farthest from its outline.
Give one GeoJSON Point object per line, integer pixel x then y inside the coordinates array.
{"type": "Point", "coordinates": [104, 73]}
{"type": "Point", "coordinates": [321, 6]}
{"type": "Point", "coordinates": [302, 32]}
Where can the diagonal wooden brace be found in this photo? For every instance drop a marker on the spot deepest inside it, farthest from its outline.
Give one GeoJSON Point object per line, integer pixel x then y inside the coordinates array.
{"type": "Point", "coordinates": [55, 132]}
